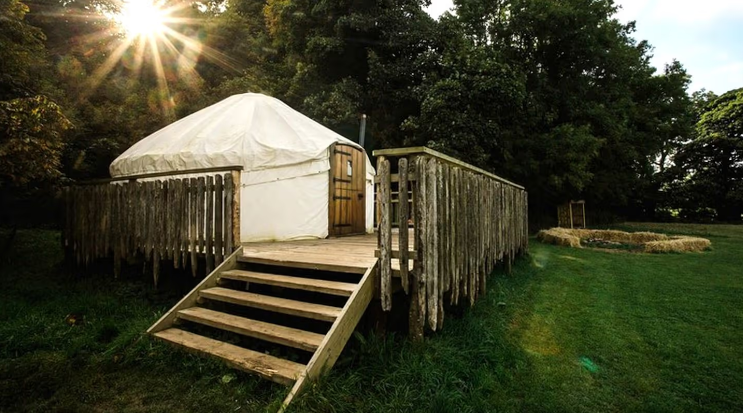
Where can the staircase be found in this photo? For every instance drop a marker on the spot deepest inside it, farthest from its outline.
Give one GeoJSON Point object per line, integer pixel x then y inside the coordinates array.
{"type": "Point", "coordinates": [285, 324]}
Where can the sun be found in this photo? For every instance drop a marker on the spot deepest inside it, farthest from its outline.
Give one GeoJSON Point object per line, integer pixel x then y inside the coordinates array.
{"type": "Point", "coordinates": [142, 17]}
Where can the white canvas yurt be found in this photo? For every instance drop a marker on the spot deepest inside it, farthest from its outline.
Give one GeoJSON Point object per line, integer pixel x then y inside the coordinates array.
{"type": "Point", "coordinates": [288, 188]}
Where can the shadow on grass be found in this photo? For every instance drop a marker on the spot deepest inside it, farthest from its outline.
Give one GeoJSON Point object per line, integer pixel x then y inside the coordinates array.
{"type": "Point", "coordinates": [77, 343]}
{"type": "Point", "coordinates": [460, 369]}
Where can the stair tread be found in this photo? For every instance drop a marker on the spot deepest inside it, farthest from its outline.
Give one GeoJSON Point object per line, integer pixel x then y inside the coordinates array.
{"type": "Point", "coordinates": [292, 337]}
{"type": "Point", "coordinates": [307, 284]}
{"type": "Point", "coordinates": [351, 265]}
{"type": "Point", "coordinates": [266, 302]}
{"type": "Point", "coordinates": [270, 367]}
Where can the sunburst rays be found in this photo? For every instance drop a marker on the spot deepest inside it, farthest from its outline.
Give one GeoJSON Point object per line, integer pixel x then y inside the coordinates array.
{"type": "Point", "coordinates": [151, 34]}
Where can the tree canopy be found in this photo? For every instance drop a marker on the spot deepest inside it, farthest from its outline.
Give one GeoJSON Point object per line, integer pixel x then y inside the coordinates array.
{"type": "Point", "coordinates": [557, 95]}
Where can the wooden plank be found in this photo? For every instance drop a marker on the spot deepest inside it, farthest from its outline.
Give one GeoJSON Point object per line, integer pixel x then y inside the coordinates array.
{"type": "Point", "coordinates": [209, 218]}
{"type": "Point", "coordinates": [133, 178]}
{"type": "Point", "coordinates": [394, 178]}
{"type": "Point", "coordinates": [149, 219]}
{"type": "Point", "coordinates": [130, 221]}
{"type": "Point", "coordinates": [167, 223]}
{"type": "Point", "coordinates": [236, 204]}
{"type": "Point", "coordinates": [296, 283]}
{"type": "Point", "coordinates": [228, 199]}
{"type": "Point", "coordinates": [287, 336]}
{"type": "Point", "coordinates": [312, 262]}
{"type": "Point", "coordinates": [201, 211]}
{"type": "Point", "coordinates": [166, 321]}
{"type": "Point", "coordinates": [192, 222]}
{"type": "Point", "coordinates": [441, 274]}
{"type": "Point", "coordinates": [432, 272]}
{"type": "Point", "coordinates": [385, 235]}
{"type": "Point", "coordinates": [266, 302]}
{"type": "Point", "coordinates": [331, 192]}
{"type": "Point", "coordinates": [158, 230]}
{"type": "Point", "coordinates": [419, 150]}
{"type": "Point", "coordinates": [403, 223]}
{"type": "Point", "coordinates": [218, 222]}
{"type": "Point", "coordinates": [417, 316]}
{"type": "Point", "coordinates": [184, 240]}
{"type": "Point", "coordinates": [396, 254]}
{"type": "Point", "coordinates": [267, 366]}
{"type": "Point", "coordinates": [338, 335]}
{"type": "Point", "coordinates": [177, 217]}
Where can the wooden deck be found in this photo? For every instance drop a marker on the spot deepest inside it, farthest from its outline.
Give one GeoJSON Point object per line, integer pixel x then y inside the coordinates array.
{"type": "Point", "coordinates": [351, 254]}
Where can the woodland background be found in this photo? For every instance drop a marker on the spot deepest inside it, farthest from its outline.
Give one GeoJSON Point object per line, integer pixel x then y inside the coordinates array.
{"type": "Point", "coordinates": [556, 95]}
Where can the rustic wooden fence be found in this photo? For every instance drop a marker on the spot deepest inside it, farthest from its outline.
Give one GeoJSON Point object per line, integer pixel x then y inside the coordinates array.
{"type": "Point", "coordinates": [155, 217]}
{"type": "Point", "coordinates": [465, 220]}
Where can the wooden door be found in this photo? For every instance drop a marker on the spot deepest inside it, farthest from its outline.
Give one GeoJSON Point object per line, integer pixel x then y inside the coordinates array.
{"type": "Point", "coordinates": [347, 203]}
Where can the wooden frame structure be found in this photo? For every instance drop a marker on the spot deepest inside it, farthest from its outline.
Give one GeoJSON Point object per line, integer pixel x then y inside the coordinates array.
{"type": "Point", "coordinates": [178, 216]}
{"type": "Point", "coordinates": [572, 214]}
{"type": "Point", "coordinates": [465, 220]}
{"type": "Point", "coordinates": [346, 190]}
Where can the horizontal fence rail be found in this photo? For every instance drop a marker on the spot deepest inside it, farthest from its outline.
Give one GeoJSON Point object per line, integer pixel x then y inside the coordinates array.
{"type": "Point", "coordinates": [176, 219]}
{"type": "Point", "coordinates": [465, 221]}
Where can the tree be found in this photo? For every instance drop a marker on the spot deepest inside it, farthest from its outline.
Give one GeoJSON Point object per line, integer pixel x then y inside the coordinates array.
{"type": "Point", "coordinates": [714, 160]}
{"type": "Point", "coordinates": [32, 125]}
{"type": "Point", "coordinates": [31, 141]}
{"type": "Point", "coordinates": [22, 53]}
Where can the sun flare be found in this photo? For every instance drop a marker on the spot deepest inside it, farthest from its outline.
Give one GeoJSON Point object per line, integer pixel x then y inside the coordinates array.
{"type": "Point", "coordinates": [142, 17]}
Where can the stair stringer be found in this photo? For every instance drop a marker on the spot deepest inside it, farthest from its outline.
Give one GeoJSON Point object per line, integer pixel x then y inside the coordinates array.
{"type": "Point", "coordinates": [190, 300]}
{"type": "Point", "coordinates": [335, 340]}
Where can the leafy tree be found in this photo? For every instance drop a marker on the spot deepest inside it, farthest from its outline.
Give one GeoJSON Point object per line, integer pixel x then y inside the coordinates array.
{"type": "Point", "coordinates": [32, 125]}
{"type": "Point", "coordinates": [31, 141]}
{"type": "Point", "coordinates": [714, 160]}
{"type": "Point", "coordinates": [22, 53]}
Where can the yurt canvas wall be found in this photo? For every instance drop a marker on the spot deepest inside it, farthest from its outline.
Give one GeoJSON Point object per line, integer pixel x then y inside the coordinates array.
{"type": "Point", "coordinates": [285, 158]}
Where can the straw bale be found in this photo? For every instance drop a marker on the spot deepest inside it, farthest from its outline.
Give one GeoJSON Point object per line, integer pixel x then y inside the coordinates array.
{"type": "Point", "coordinates": [678, 244]}
{"type": "Point", "coordinates": [643, 237]}
{"type": "Point", "coordinates": [550, 236]}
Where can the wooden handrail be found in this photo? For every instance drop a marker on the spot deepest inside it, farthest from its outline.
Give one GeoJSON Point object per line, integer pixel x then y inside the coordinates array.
{"type": "Point", "coordinates": [162, 174]}
{"type": "Point", "coordinates": [422, 150]}
{"type": "Point", "coordinates": [465, 220]}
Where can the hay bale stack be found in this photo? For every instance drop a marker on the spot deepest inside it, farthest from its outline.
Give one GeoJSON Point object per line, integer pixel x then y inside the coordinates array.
{"type": "Point", "coordinates": [643, 237]}
{"type": "Point", "coordinates": [652, 242]}
{"type": "Point", "coordinates": [678, 244]}
{"type": "Point", "coordinates": [556, 236]}
{"type": "Point", "coordinates": [612, 235]}
{"type": "Point", "coordinates": [580, 233]}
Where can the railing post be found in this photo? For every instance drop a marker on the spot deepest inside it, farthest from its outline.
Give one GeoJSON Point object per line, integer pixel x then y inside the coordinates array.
{"type": "Point", "coordinates": [385, 233]}
{"type": "Point", "coordinates": [402, 225]}
{"type": "Point", "coordinates": [235, 213]}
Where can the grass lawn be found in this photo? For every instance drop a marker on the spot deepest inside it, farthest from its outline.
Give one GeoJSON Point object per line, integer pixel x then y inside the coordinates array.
{"type": "Point", "coordinates": [569, 330]}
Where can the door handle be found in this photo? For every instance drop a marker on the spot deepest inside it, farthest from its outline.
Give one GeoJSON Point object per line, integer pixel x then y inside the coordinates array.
{"type": "Point", "coordinates": [361, 196]}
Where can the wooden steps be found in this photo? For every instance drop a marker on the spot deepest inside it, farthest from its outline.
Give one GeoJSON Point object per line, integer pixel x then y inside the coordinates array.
{"type": "Point", "coordinates": [350, 265]}
{"type": "Point", "coordinates": [291, 337]}
{"type": "Point", "coordinates": [255, 321]}
{"type": "Point", "coordinates": [266, 302]}
{"type": "Point", "coordinates": [270, 367]}
{"type": "Point", "coordinates": [306, 284]}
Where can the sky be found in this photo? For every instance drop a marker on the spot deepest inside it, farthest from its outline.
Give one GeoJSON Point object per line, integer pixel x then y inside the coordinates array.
{"type": "Point", "coordinates": [706, 36]}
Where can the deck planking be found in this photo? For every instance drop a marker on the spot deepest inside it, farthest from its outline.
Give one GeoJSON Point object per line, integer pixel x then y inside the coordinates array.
{"type": "Point", "coordinates": [350, 254]}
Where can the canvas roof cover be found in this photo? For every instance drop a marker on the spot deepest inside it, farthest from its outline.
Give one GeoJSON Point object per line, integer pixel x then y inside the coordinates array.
{"type": "Point", "coordinates": [260, 133]}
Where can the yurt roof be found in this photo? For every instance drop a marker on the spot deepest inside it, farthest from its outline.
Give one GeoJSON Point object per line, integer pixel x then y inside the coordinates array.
{"type": "Point", "coordinates": [251, 130]}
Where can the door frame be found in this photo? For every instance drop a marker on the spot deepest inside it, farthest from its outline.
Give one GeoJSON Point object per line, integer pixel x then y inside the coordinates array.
{"type": "Point", "coordinates": [331, 190]}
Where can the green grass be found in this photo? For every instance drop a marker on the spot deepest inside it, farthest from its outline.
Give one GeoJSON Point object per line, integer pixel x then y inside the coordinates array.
{"type": "Point", "coordinates": [569, 330]}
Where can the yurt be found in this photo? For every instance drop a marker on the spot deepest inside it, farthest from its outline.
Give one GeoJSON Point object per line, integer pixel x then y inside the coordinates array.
{"type": "Point", "coordinates": [287, 187]}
